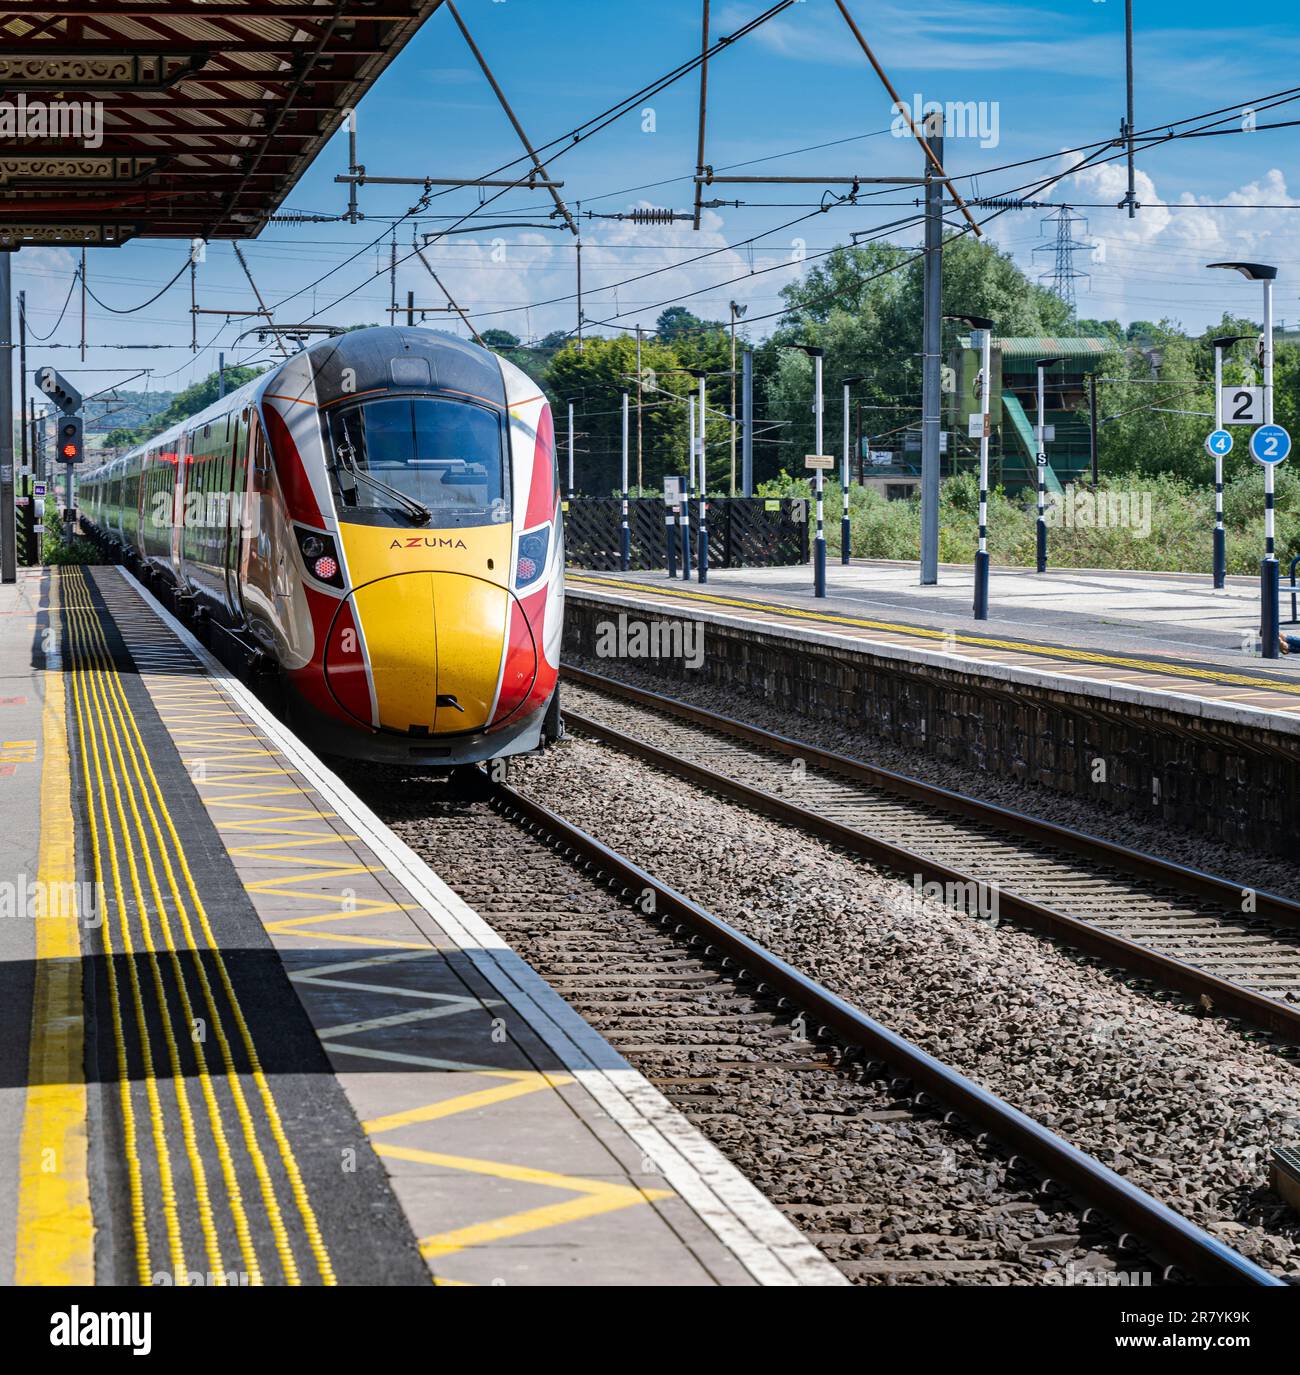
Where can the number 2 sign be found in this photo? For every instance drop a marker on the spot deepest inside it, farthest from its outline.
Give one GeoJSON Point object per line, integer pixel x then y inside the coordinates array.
{"type": "Point", "coordinates": [1242, 405]}
{"type": "Point", "coordinates": [1270, 444]}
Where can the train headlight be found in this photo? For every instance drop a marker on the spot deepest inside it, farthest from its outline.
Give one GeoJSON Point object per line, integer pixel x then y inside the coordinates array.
{"type": "Point", "coordinates": [320, 556]}
{"type": "Point", "coordinates": [532, 556]}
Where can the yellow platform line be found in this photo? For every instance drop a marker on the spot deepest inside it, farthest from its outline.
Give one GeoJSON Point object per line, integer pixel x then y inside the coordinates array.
{"type": "Point", "coordinates": [89, 746]}
{"type": "Point", "coordinates": [288, 1160]}
{"type": "Point", "coordinates": [55, 1233]}
{"type": "Point", "coordinates": [116, 759]}
{"type": "Point", "coordinates": [1084, 656]}
{"type": "Point", "coordinates": [523, 1082]}
{"type": "Point", "coordinates": [595, 1197]}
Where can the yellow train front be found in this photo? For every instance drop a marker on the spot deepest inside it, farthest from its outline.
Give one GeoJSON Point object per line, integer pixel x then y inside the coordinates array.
{"type": "Point", "coordinates": [392, 542]}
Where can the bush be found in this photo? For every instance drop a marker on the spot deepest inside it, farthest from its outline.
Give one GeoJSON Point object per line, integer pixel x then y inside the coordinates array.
{"type": "Point", "coordinates": [1159, 523]}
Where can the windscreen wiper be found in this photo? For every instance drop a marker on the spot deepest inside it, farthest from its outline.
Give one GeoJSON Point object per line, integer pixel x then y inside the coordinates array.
{"type": "Point", "coordinates": [417, 510]}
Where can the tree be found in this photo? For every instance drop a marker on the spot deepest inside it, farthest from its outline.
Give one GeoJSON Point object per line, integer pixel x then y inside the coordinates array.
{"type": "Point", "coordinates": [500, 339]}
{"type": "Point", "coordinates": [595, 378]}
{"type": "Point", "coordinates": [863, 306]}
{"type": "Point", "coordinates": [677, 323]}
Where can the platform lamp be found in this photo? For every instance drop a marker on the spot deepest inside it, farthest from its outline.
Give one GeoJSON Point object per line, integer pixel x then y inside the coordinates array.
{"type": "Point", "coordinates": [702, 554]}
{"type": "Point", "coordinates": [1269, 629]}
{"type": "Point", "coordinates": [819, 547]}
{"type": "Point", "coordinates": [1040, 443]}
{"type": "Point", "coordinates": [846, 524]}
{"type": "Point", "coordinates": [1220, 345]}
{"type": "Point", "coordinates": [982, 326]}
{"type": "Point", "coordinates": [625, 532]}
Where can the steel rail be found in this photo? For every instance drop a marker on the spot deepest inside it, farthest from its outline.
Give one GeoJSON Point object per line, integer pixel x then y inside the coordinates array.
{"type": "Point", "coordinates": [1213, 992]}
{"type": "Point", "coordinates": [1137, 1213]}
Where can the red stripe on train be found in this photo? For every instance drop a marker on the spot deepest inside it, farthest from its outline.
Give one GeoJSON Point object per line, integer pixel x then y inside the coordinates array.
{"type": "Point", "coordinates": [298, 493]}
{"type": "Point", "coordinates": [541, 491]}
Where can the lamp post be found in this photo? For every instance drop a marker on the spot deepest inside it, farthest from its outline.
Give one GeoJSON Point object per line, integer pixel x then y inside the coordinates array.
{"type": "Point", "coordinates": [1042, 365]}
{"type": "Point", "coordinates": [819, 545]}
{"type": "Point", "coordinates": [1220, 346]}
{"type": "Point", "coordinates": [1269, 629]}
{"type": "Point", "coordinates": [736, 313]}
{"type": "Point", "coordinates": [625, 533]}
{"type": "Point", "coordinates": [702, 562]}
{"type": "Point", "coordinates": [690, 489]}
{"type": "Point", "coordinates": [846, 524]}
{"type": "Point", "coordinates": [983, 326]}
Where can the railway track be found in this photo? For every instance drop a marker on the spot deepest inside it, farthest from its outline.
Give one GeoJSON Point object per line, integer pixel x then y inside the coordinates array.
{"type": "Point", "coordinates": [1181, 928]}
{"type": "Point", "coordinates": [901, 1169]}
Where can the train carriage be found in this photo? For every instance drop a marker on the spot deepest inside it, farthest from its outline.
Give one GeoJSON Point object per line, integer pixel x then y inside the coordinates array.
{"type": "Point", "coordinates": [378, 517]}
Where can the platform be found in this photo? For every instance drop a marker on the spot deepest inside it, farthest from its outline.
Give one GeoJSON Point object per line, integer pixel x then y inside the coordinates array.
{"type": "Point", "coordinates": [1156, 638]}
{"type": "Point", "coordinates": [264, 1043]}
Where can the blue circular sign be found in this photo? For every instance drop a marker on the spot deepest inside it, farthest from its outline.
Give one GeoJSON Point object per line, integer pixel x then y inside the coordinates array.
{"type": "Point", "coordinates": [1270, 444]}
{"type": "Point", "coordinates": [1218, 443]}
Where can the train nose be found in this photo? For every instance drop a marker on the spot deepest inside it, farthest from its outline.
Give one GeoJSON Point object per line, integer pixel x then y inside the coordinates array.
{"type": "Point", "coordinates": [420, 652]}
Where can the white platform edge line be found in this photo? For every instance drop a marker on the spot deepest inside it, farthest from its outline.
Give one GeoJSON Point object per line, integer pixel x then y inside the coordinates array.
{"type": "Point", "coordinates": [765, 1242]}
{"type": "Point", "coordinates": [1209, 707]}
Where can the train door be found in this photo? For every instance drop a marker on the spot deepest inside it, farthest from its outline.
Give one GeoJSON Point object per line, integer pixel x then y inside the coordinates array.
{"type": "Point", "coordinates": [256, 569]}
{"type": "Point", "coordinates": [236, 524]}
{"type": "Point", "coordinates": [184, 462]}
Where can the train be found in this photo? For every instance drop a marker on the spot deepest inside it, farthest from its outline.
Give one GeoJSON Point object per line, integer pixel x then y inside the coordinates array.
{"type": "Point", "coordinates": [373, 527]}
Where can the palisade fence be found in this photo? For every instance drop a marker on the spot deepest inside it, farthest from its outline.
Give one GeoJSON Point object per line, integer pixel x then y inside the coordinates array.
{"type": "Point", "coordinates": [744, 532]}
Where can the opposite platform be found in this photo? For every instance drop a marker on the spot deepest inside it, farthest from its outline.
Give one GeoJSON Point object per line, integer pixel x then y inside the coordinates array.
{"type": "Point", "coordinates": [277, 1048]}
{"type": "Point", "coordinates": [1162, 639]}
{"type": "Point", "coordinates": [1130, 691]}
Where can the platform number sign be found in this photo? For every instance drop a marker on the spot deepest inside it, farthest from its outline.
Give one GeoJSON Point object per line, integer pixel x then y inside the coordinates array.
{"type": "Point", "coordinates": [1270, 444]}
{"type": "Point", "coordinates": [1242, 405]}
{"type": "Point", "coordinates": [1218, 444]}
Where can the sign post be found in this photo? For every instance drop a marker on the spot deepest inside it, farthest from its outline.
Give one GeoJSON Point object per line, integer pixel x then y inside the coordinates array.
{"type": "Point", "coordinates": [1218, 443]}
{"type": "Point", "coordinates": [1269, 445]}
{"type": "Point", "coordinates": [981, 606]}
{"type": "Point", "coordinates": [702, 562]}
{"type": "Point", "coordinates": [625, 533]}
{"type": "Point", "coordinates": [1041, 436]}
{"type": "Point", "coordinates": [672, 500]}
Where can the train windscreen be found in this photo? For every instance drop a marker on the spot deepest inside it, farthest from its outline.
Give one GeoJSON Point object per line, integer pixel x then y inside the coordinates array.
{"type": "Point", "coordinates": [397, 453]}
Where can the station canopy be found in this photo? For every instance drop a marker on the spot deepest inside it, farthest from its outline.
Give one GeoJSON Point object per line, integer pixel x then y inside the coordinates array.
{"type": "Point", "coordinates": [176, 118]}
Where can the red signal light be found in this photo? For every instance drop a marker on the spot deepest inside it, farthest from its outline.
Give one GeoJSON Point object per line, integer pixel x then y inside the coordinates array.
{"type": "Point", "coordinates": [69, 451]}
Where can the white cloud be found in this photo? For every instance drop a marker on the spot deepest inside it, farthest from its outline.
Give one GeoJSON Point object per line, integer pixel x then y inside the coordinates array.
{"type": "Point", "coordinates": [1154, 265]}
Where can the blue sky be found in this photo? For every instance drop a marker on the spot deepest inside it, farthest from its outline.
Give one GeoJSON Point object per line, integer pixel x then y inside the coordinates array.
{"type": "Point", "coordinates": [1046, 75]}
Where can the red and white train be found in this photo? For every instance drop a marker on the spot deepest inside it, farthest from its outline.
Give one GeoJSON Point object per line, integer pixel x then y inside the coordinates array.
{"type": "Point", "coordinates": [377, 518]}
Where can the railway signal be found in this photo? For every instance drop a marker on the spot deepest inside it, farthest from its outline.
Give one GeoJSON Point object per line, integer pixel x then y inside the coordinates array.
{"type": "Point", "coordinates": [72, 438]}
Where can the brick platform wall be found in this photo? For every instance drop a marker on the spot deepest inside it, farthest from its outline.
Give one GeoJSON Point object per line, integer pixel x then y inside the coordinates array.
{"type": "Point", "coordinates": [1234, 782]}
